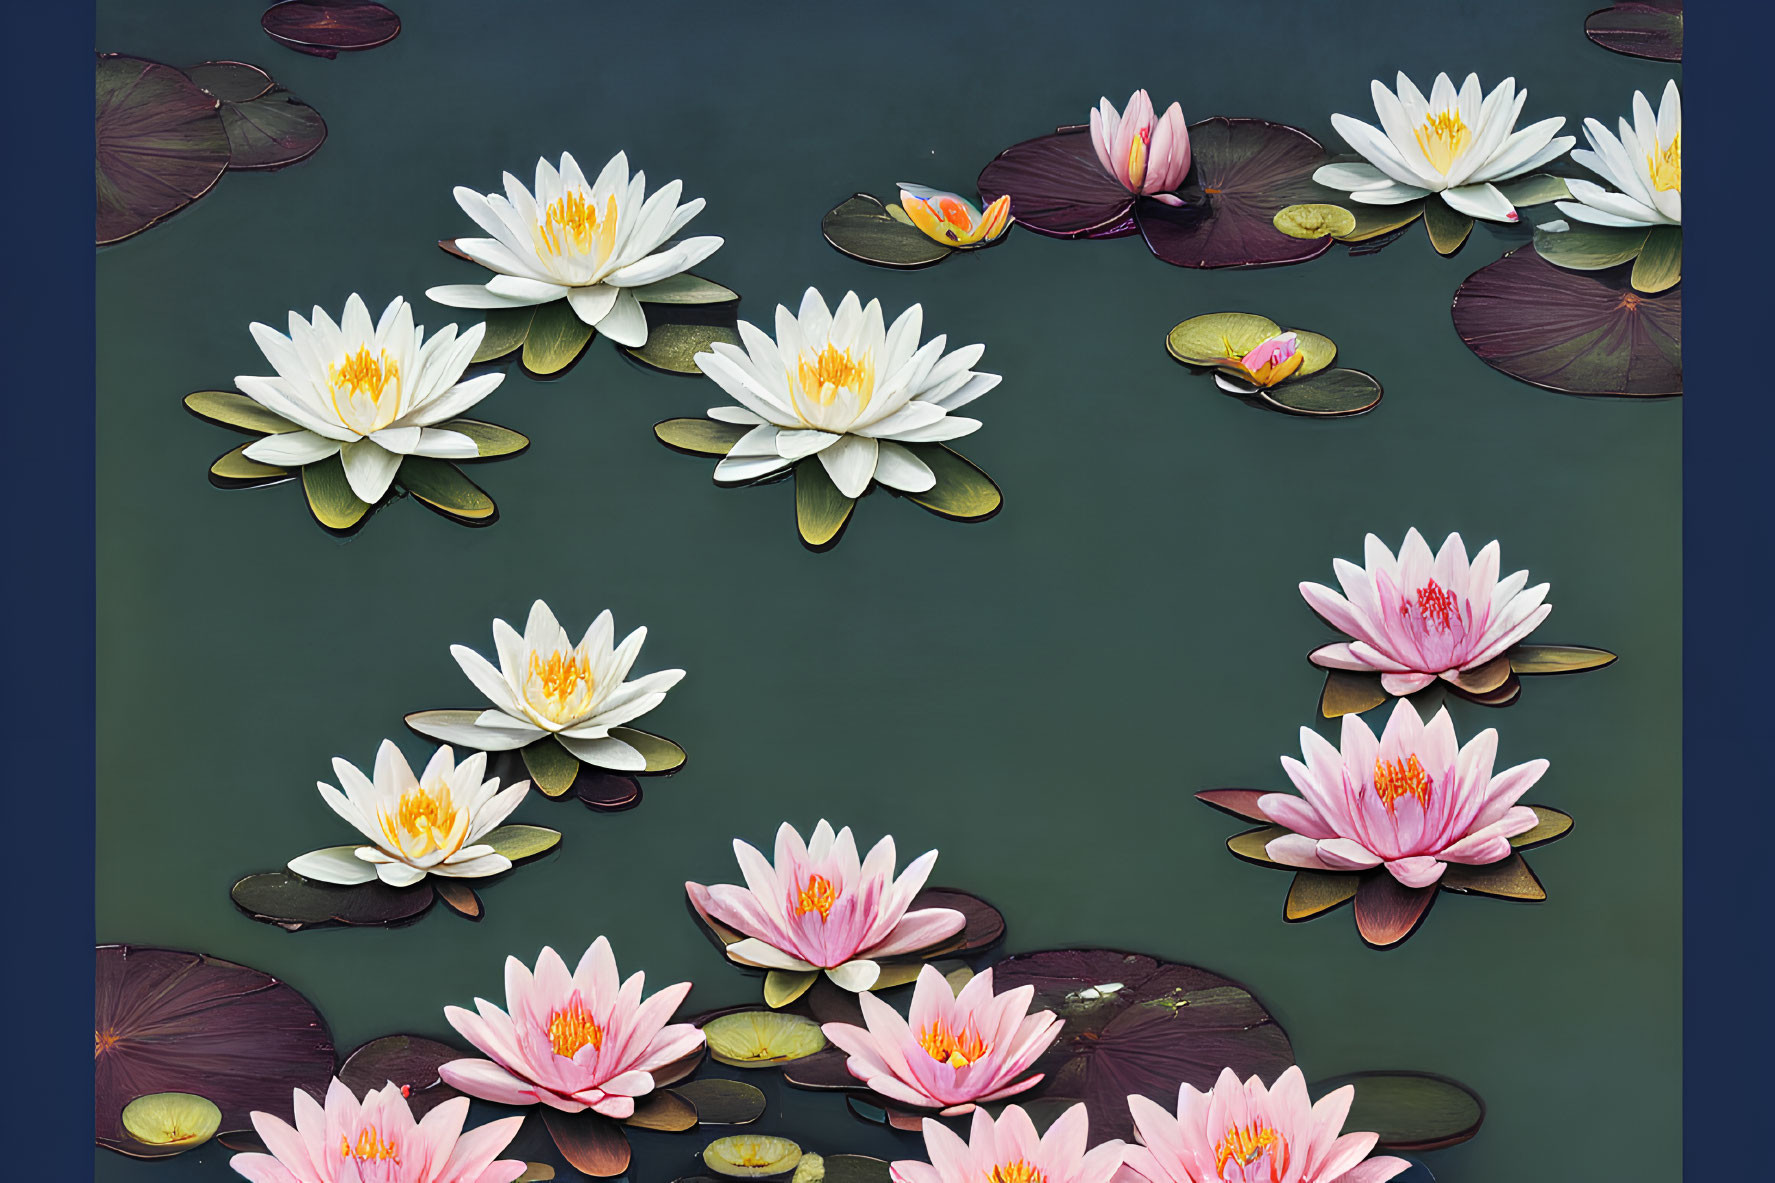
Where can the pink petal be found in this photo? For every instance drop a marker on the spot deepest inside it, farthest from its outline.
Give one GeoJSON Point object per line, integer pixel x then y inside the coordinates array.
{"type": "Point", "coordinates": [1399, 685]}
{"type": "Point", "coordinates": [1297, 850]}
{"type": "Point", "coordinates": [1343, 854]}
{"type": "Point", "coordinates": [1295, 813]}
{"type": "Point", "coordinates": [1417, 871]}
{"type": "Point", "coordinates": [918, 930]}
{"type": "Point", "coordinates": [262, 1168]}
{"type": "Point", "coordinates": [489, 1082]}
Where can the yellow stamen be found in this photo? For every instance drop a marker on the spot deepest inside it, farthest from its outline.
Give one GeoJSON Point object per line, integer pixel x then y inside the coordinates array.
{"type": "Point", "coordinates": [424, 821]}
{"type": "Point", "coordinates": [360, 376]}
{"type": "Point", "coordinates": [816, 895]}
{"type": "Point", "coordinates": [1137, 157]}
{"type": "Point", "coordinates": [1396, 779]}
{"type": "Point", "coordinates": [566, 682]}
{"type": "Point", "coordinates": [957, 1049]}
{"type": "Point", "coordinates": [1443, 137]}
{"type": "Point", "coordinates": [572, 225]}
{"type": "Point", "coordinates": [371, 1147]}
{"type": "Point", "coordinates": [1665, 164]}
{"type": "Point", "coordinates": [1244, 1145]}
{"type": "Point", "coordinates": [820, 379]}
{"type": "Point", "coordinates": [572, 1028]}
{"type": "Point", "coordinates": [1015, 1172]}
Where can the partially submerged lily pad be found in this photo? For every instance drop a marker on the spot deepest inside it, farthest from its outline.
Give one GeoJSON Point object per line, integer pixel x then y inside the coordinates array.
{"type": "Point", "coordinates": [1656, 252]}
{"type": "Point", "coordinates": [172, 1121]}
{"type": "Point", "coordinates": [862, 227]}
{"type": "Point", "coordinates": [751, 1156]}
{"type": "Point", "coordinates": [1137, 1025]}
{"type": "Point", "coordinates": [268, 128]}
{"type": "Point", "coordinates": [326, 29]}
{"type": "Point", "coordinates": [160, 143]}
{"type": "Point", "coordinates": [723, 1102]}
{"type": "Point", "coordinates": [761, 1038]}
{"type": "Point", "coordinates": [289, 901]}
{"type": "Point", "coordinates": [1642, 29]}
{"type": "Point", "coordinates": [168, 1021]}
{"type": "Point", "coordinates": [1411, 1111]}
{"type": "Point", "coordinates": [1578, 332]}
{"type": "Point", "coordinates": [410, 1061]}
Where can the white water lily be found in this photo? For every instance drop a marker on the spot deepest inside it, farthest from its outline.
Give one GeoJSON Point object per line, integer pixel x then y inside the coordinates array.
{"type": "Point", "coordinates": [370, 392]}
{"type": "Point", "coordinates": [1644, 164]}
{"type": "Point", "coordinates": [546, 685]}
{"type": "Point", "coordinates": [1454, 143]}
{"type": "Point", "coordinates": [844, 388]}
{"type": "Point", "coordinates": [421, 825]}
{"type": "Point", "coordinates": [596, 245]}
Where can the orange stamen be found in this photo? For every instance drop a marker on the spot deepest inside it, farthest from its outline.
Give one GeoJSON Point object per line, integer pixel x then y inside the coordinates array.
{"type": "Point", "coordinates": [371, 1147]}
{"type": "Point", "coordinates": [1016, 1172]}
{"type": "Point", "coordinates": [1246, 1145]}
{"type": "Point", "coordinates": [572, 1028]}
{"type": "Point", "coordinates": [816, 895]}
{"type": "Point", "coordinates": [1396, 779]}
{"type": "Point", "coordinates": [957, 1049]}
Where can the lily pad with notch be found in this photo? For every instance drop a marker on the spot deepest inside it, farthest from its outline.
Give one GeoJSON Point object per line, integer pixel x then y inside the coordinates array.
{"type": "Point", "coordinates": [1295, 376]}
{"type": "Point", "coordinates": [268, 128]}
{"type": "Point", "coordinates": [410, 1061]}
{"type": "Point", "coordinates": [160, 144]}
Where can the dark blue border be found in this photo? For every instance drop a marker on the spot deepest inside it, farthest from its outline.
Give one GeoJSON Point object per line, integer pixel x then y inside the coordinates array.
{"type": "Point", "coordinates": [48, 479]}
{"type": "Point", "coordinates": [1728, 531]}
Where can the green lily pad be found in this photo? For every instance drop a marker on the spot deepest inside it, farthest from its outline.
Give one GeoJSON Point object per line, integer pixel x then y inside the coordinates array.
{"type": "Point", "coordinates": [329, 494]}
{"type": "Point", "coordinates": [1506, 879]}
{"type": "Point", "coordinates": [672, 348]}
{"type": "Point", "coordinates": [1534, 189]}
{"type": "Point", "coordinates": [1329, 393]}
{"type": "Point", "coordinates": [661, 754]}
{"type": "Point", "coordinates": [1550, 826]}
{"type": "Point", "coordinates": [1590, 248]}
{"type": "Point", "coordinates": [1660, 262]}
{"type": "Point", "coordinates": [781, 987]}
{"type": "Point", "coordinates": [1249, 845]}
{"type": "Point", "coordinates": [962, 493]}
{"type": "Point", "coordinates": [536, 1172]}
{"type": "Point", "coordinates": [442, 486]}
{"type": "Point", "coordinates": [236, 410]}
{"type": "Point", "coordinates": [172, 1121]}
{"type": "Point", "coordinates": [862, 228]}
{"type": "Point", "coordinates": [1375, 221]}
{"type": "Point", "coordinates": [1448, 226]}
{"type": "Point", "coordinates": [556, 339]}
{"type": "Point", "coordinates": [491, 440]}
{"type": "Point", "coordinates": [685, 288]}
{"type": "Point", "coordinates": [1484, 679]}
{"type": "Point", "coordinates": [762, 1038]}
{"type": "Point", "coordinates": [1348, 692]}
{"type": "Point", "coordinates": [700, 437]}
{"type": "Point", "coordinates": [552, 768]}
{"type": "Point", "coordinates": [1315, 221]}
{"type": "Point", "coordinates": [751, 1156]}
{"type": "Point", "coordinates": [507, 329]}
{"type": "Point", "coordinates": [292, 902]}
{"type": "Point", "coordinates": [1313, 893]}
{"type": "Point", "coordinates": [235, 466]}
{"type": "Point", "coordinates": [723, 1102]}
{"type": "Point", "coordinates": [1217, 336]}
{"type": "Point", "coordinates": [851, 1168]}
{"type": "Point", "coordinates": [1411, 1111]}
{"type": "Point", "coordinates": [821, 511]}
{"type": "Point", "coordinates": [1558, 659]}
{"type": "Point", "coordinates": [663, 1110]}
{"type": "Point", "coordinates": [517, 842]}
{"type": "Point", "coordinates": [1316, 352]}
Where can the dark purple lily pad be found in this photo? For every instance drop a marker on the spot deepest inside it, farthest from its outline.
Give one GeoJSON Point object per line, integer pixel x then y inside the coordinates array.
{"type": "Point", "coordinates": [290, 901]}
{"type": "Point", "coordinates": [1165, 1024]}
{"type": "Point", "coordinates": [327, 29]}
{"type": "Point", "coordinates": [1059, 188]}
{"type": "Point", "coordinates": [167, 1021]}
{"type": "Point", "coordinates": [160, 144]}
{"type": "Point", "coordinates": [268, 127]}
{"type": "Point", "coordinates": [1580, 332]}
{"type": "Point", "coordinates": [593, 1143]}
{"type": "Point", "coordinates": [986, 924]}
{"type": "Point", "coordinates": [410, 1061]}
{"type": "Point", "coordinates": [1242, 173]}
{"type": "Point", "coordinates": [1644, 29]}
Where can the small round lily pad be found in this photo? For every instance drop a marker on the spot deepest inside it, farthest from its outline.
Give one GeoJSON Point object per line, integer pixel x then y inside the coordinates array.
{"type": "Point", "coordinates": [761, 1038]}
{"type": "Point", "coordinates": [170, 1120]}
{"type": "Point", "coordinates": [326, 29]}
{"type": "Point", "coordinates": [1315, 221]}
{"type": "Point", "coordinates": [723, 1102]}
{"type": "Point", "coordinates": [751, 1156]}
{"type": "Point", "coordinates": [862, 228]}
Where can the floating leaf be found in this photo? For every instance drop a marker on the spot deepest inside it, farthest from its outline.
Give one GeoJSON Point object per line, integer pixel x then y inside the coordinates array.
{"type": "Point", "coordinates": [1411, 1111]}
{"type": "Point", "coordinates": [593, 1143]}
{"type": "Point", "coordinates": [1659, 266]}
{"type": "Point", "coordinates": [327, 29]}
{"type": "Point", "coordinates": [1058, 188]}
{"type": "Point", "coordinates": [821, 511]}
{"type": "Point", "coordinates": [1387, 911]}
{"type": "Point", "coordinates": [1486, 678]}
{"type": "Point", "coordinates": [1314, 221]}
{"type": "Point", "coordinates": [159, 141]}
{"type": "Point", "coordinates": [985, 923]}
{"type": "Point", "coordinates": [410, 1061]}
{"type": "Point", "coordinates": [1534, 189]}
{"type": "Point", "coordinates": [1647, 29]}
{"type": "Point", "coordinates": [233, 466]}
{"type": "Point", "coordinates": [853, 1168]}
{"type": "Point", "coordinates": [491, 440]}
{"type": "Point", "coordinates": [661, 754]}
{"type": "Point", "coordinates": [663, 1110]}
{"type": "Point", "coordinates": [685, 288]}
{"type": "Point", "coordinates": [1508, 878]}
{"type": "Point", "coordinates": [167, 1021]}
{"type": "Point", "coordinates": [862, 228]}
{"type": "Point", "coordinates": [672, 348]}
{"type": "Point", "coordinates": [598, 789]}
{"type": "Point", "coordinates": [822, 1070]}
{"type": "Point", "coordinates": [458, 897]}
{"type": "Point", "coordinates": [1448, 226]}
{"type": "Point", "coordinates": [1590, 248]}
{"type": "Point", "coordinates": [536, 1172]}
{"type": "Point", "coordinates": [1327, 393]}
{"type": "Point", "coordinates": [1166, 1024]}
{"type": "Point", "coordinates": [1215, 337]}
{"type": "Point", "coordinates": [237, 410]}
{"type": "Point", "coordinates": [781, 987]}
{"type": "Point", "coordinates": [171, 1121]}
{"type": "Point", "coordinates": [1348, 692]}
{"type": "Point", "coordinates": [1376, 221]}
{"type": "Point", "coordinates": [1238, 802]}
{"type": "Point", "coordinates": [268, 127]}
{"type": "Point", "coordinates": [443, 486]}
{"type": "Point", "coordinates": [1313, 893]}
{"type": "Point", "coordinates": [231, 82]}
{"type": "Point", "coordinates": [507, 330]}
{"type": "Point", "coordinates": [329, 494]}
{"type": "Point", "coordinates": [962, 493]}
{"type": "Point", "coordinates": [1558, 659]}
{"type": "Point", "coordinates": [700, 437]}
{"type": "Point", "coordinates": [1551, 826]}
{"type": "Point", "coordinates": [552, 767]}
{"type": "Point", "coordinates": [518, 843]}
{"type": "Point", "coordinates": [723, 1102]}
{"type": "Point", "coordinates": [761, 1038]}
{"type": "Point", "coordinates": [1572, 331]}
{"type": "Point", "coordinates": [751, 1156]}
{"type": "Point", "coordinates": [292, 902]}
{"type": "Point", "coordinates": [556, 339]}
{"type": "Point", "coordinates": [1250, 846]}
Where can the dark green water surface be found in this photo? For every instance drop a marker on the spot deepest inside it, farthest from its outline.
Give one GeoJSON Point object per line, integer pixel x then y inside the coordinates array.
{"type": "Point", "coordinates": [1037, 696]}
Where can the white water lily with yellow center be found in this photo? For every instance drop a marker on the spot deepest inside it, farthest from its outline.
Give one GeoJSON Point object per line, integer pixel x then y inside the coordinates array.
{"type": "Point", "coordinates": [843, 387]}
{"type": "Point", "coordinates": [370, 392]}
{"type": "Point", "coordinates": [1458, 143]}
{"type": "Point", "coordinates": [1644, 164]}
{"type": "Point", "coordinates": [422, 825]}
{"type": "Point", "coordinates": [545, 685]}
{"type": "Point", "coordinates": [596, 244]}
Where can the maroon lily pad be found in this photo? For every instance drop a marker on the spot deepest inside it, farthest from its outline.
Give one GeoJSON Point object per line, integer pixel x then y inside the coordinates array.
{"type": "Point", "coordinates": [292, 902]}
{"type": "Point", "coordinates": [410, 1061]}
{"type": "Point", "coordinates": [167, 1021]}
{"type": "Point", "coordinates": [986, 924]}
{"type": "Point", "coordinates": [1242, 173]}
{"type": "Point", "coordinates": [327, 29]}
{"type": "Point", "coordinates": [1387, 911]}
{"type": "Point", "coordinates": [268, 127]}
{"type": "Point", "coordinates": [593, 1143]}
{"type": "Point", "coordinates": [1644, 29]}
{"type": "Point", "coordinates": [606, 790]}
{"type": "Point", "coordinates": [825, 1069]}
{"type": "Point", "coordinates": [1581, 332]}
{"type": "Point", "coordinates": [1059, 188]}
{"type": "Point", "coordinates": [1238, 802]}
{"type": "Point", "coordinates": [1165, 1024]}
{"type": "Point", "coordinates": [160, 144]}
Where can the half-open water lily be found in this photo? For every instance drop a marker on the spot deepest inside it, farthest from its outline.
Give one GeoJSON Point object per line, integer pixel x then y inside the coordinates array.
{"type": "Point", "coordinates": [1455, 143]}
{"type": "Point", "coordinates": [572, 1041]}
{"type": "Point", "coordinates": [1009, 1151]}
{"type": "Point", "coordinates": [370, 392]}
{"type": "Point", "coordinates": [1149, 155]}
{"type": "Point", "coordinates": [1644, 164]}
{"type": "Point", "coordinates": [843, 387]}
{"type": "Point", "coordinates": [952, 219]}
{"type": "Point", "coordinates": [591, 244]}
{"type": "Point", "coordinates": [422, 825]}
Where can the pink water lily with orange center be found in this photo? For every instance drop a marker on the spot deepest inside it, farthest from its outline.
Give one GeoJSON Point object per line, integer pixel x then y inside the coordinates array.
{"type": "Point", "coordinates": [1272, 361]}
{"type": "Point", "coordinates": [1009, 1151]}
{"type": "Point", "coordinates": [378, 1141]}
{"type": "Point", "coordinates": [1412, 801]}
{"type": "Point", "coordinates": [952, 1051]}
{"type": "Point", "coordinates": [818, 908]}
{"type": "Point", "coordinates": [951, 219]}
{"type": "Point", "coordinates": [1242, 1132]}
{"type": "Point", "coordinates": [1149, 155]}
{"type": "Point", "coordinates": [1420, 617]}
{"type": "Point", "coordinates": [572, 1041]}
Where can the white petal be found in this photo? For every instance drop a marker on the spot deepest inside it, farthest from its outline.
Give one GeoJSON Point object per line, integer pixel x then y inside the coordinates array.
{"type": "Point", "coordinates": [625, 323]}
{"type": "Point", "coordinates": [851, 464]}
{"type": "Point", "coordinates": [333, 865]}
{"type": "Point", "coordinates": [898, 468]}
{"type": "Point", "coordinates": [291, 449]}
{"type": "Point", "coordinates": [369, 469]}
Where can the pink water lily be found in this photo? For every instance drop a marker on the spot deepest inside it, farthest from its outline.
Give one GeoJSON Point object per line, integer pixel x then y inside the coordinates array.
{"type": "Point", "coordinates": [1421, 616]}
{"type": "Point", "coordinates": [573, 1041]}
{"type": "Point", "coordinates": [819, 908]}
{"type": "Point", "coordinates": [379, 1142]}
{"type": "Point", "coordinates": [952, 1051]}
{"type": "Point", "coordinates": [1148, 156]}
{"type": "Point", "coordinates": [1273, 360]}
{"type": "Point", "coordinates": [1244, 1133]}
{"type": "Point", "coordinates": [1009, 1151]}
{"type": "Point", "coordinates": [1410, 801]}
